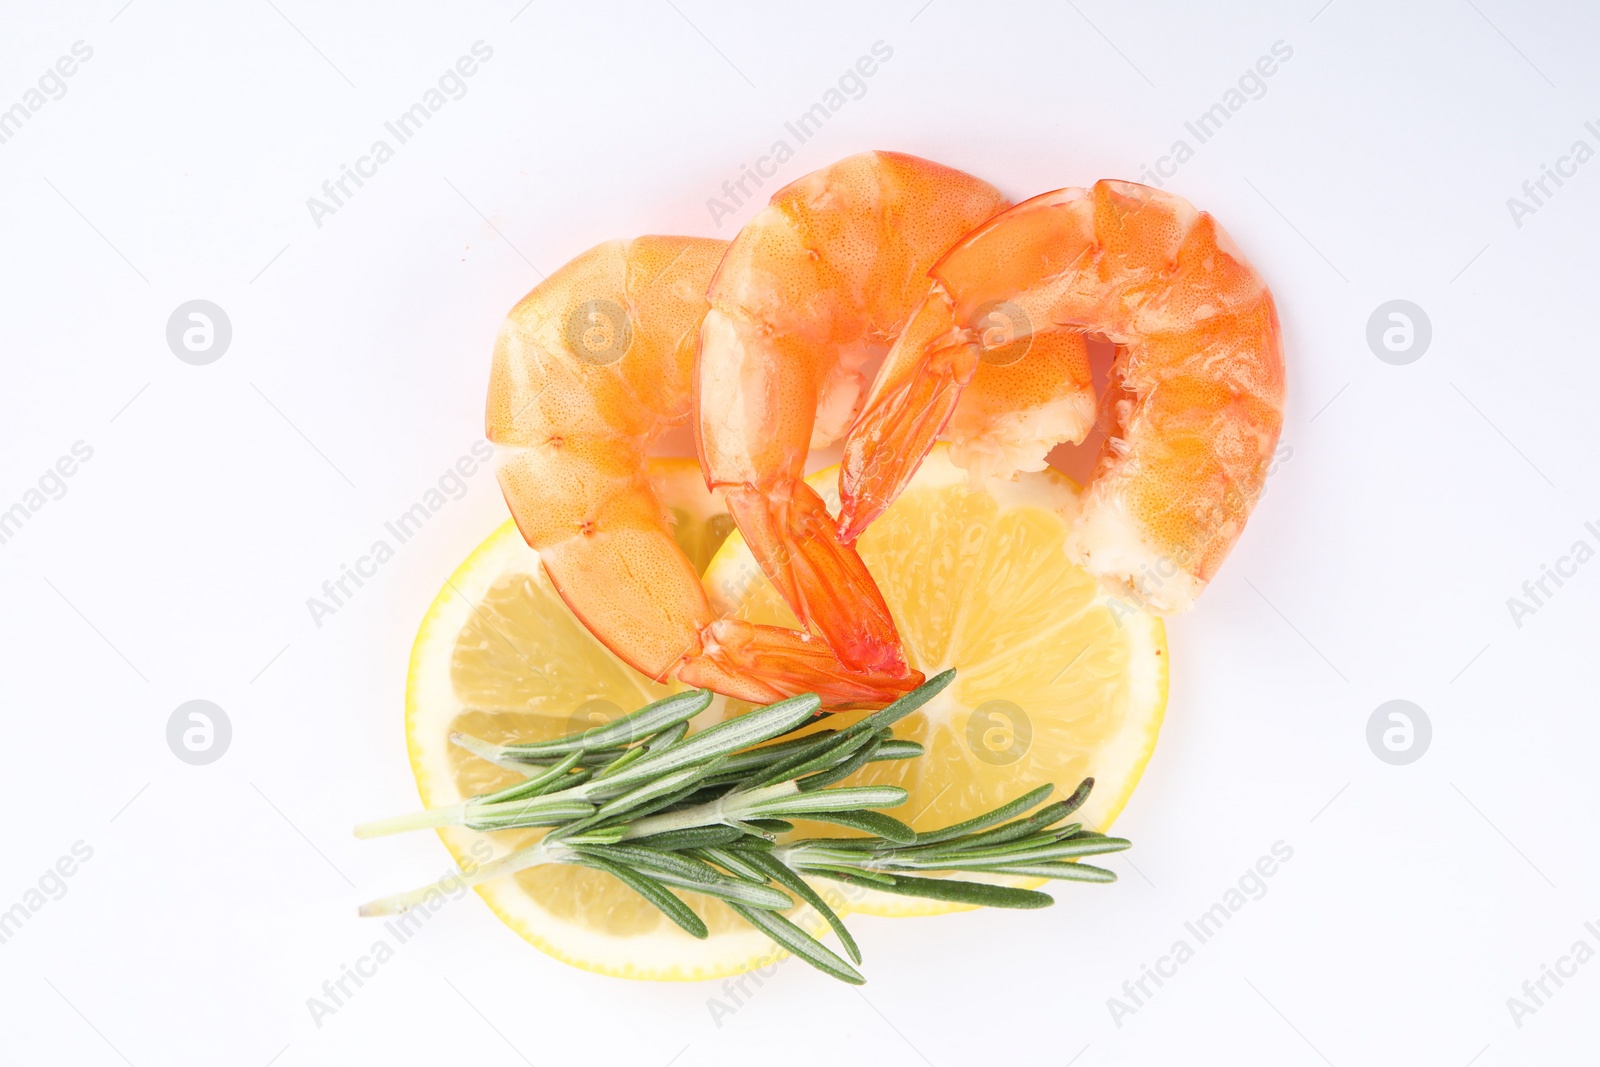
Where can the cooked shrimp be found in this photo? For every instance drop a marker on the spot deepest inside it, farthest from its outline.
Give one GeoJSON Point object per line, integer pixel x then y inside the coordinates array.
{"type": "Point", "coordinates": [590, 368]}
{"type": "Point", "coordinates": [1194, 406]}
{"type": "Point", "coordinates": [817, 284]}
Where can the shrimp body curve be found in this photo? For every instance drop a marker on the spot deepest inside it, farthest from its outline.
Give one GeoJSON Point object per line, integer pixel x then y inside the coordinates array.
{"type": "Point", "coordinates": [1193, 409]}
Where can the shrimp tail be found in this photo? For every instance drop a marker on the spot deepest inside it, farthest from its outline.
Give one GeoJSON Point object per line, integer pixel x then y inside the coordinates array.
{"type": "Point", "coordinates": [915, 394]}
{"type": "Point", "coordinates": [767, 663]}
{"type": "Point", "coordinates": [794, 538]}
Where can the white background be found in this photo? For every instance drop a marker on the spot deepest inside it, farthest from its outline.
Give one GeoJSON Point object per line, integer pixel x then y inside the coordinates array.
{"type": "Point", "coordinates": [1417, 499]}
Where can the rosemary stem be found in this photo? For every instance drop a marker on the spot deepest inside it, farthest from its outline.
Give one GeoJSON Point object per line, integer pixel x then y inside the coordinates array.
{"type": "Point", "coordinates": [724, 811]}
{"type": "Point", "coordinates": [520, 860]}
{"type": "Point", "coordinates": [803, 853]}
{"type": "Point", "coordinates": [494, 754]}
{"type": "Point", "coordinates": [728, 810]}
{"type": "Point", "coordinates": [450, 815]}
{"type": "Point", "coordinates": [709, 814]}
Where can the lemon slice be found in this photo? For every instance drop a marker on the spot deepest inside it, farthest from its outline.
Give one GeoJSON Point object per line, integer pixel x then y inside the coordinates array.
{"type": "Point", "coordinates": [700, 519]}
{"type": "Point", "coordinates": [1055, 680]}
{"type": "Point", "coordinates": [500, 657]}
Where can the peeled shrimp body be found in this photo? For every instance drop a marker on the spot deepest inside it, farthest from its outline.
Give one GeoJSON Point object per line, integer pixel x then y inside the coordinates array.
{"type": "Point", "coordinates": [815, 285]}
{"type": "Point", "coordinates": [590, 368]}
{"type": "Point", "coordinates": [1194, 406]}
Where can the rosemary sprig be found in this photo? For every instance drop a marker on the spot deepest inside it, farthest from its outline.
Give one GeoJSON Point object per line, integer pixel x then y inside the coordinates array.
{"type": "Point", "coordinates": [662, 809]}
